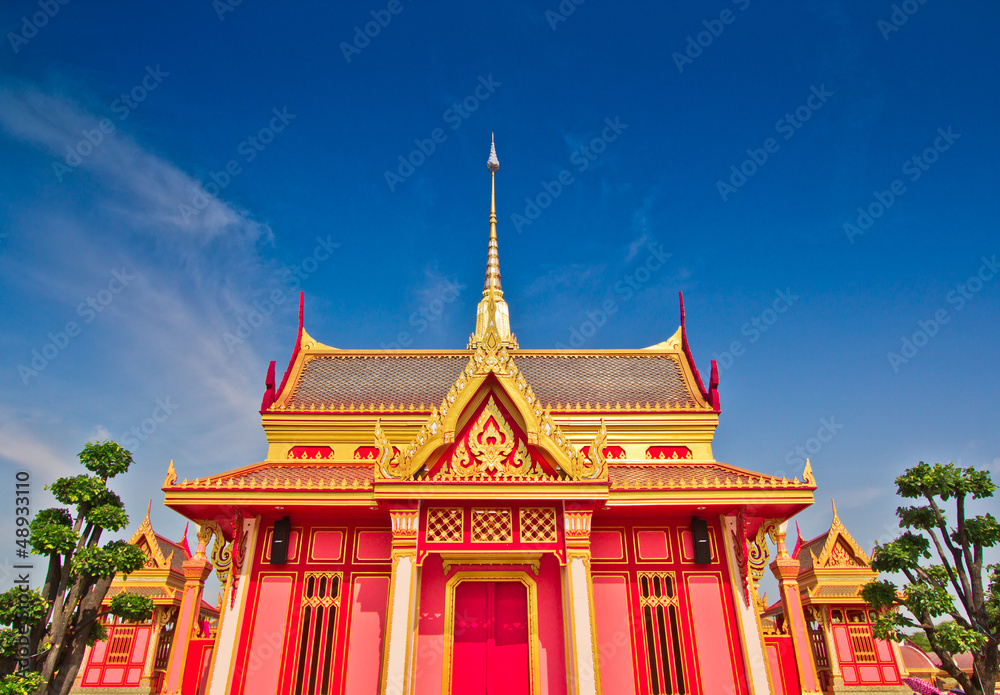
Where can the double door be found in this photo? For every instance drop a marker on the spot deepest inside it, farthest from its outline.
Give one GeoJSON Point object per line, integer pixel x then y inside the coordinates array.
{"type": "Point", "coordinates": [491, 652]}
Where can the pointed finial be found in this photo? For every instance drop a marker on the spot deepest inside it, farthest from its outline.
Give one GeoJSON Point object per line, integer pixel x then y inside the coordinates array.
{"type": "Point", "coordinates": [171, 476]}
{"type": "Point", "coordinates": [798, 542]}
{"type": "Point", "coordinates": [807, 474]}
{"type": "Point", "coordinates": [492, 315]}
{"type": "Point", "coordinates": [493, 163]}
{"type": "Point", "coordinates": [184, 541]}
{"type": "Point", "coordinates": [149, 508]}
{"type": "Point", "coordinates": [834, 503]}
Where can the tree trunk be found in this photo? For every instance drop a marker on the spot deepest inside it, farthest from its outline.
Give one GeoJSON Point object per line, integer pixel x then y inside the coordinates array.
{"type": "Point", "coordinates": [49, 594]}
{"type": "Point", "coordinates": [69, 639]}
{"type": "Point", "coordinates": [86, 616]}
{"type": "Point", "coordinates": [985, 669]}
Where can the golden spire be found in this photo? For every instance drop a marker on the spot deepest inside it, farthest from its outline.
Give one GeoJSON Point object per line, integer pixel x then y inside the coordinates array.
{"type": "Point", "coordinates": [492, 315]}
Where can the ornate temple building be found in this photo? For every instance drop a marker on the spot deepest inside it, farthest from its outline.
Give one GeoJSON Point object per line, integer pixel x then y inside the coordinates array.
{"type": "Point", "coordinates": [134, 657]}
{"type": "Point", "coordinates": [832, 570]}
{"type": "Point", "coordinates": [496, 519]}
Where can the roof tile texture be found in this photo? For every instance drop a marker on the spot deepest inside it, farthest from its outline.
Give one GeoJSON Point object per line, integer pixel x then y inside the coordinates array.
{"type": "Point", "coordinates": [363, 380]}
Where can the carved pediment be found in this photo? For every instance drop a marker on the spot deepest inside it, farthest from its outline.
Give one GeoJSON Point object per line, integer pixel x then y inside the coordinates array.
{"type": "Point", "coordinates": [145, 539]}
{"type": "Point", "coordinates": [491, 393]}
{"type": "Point", "coordinates": [491, 448]}
{"type": "Point", "coordinates": [840, 548]}
{"type": "Point", "coordinates": [843, 556]}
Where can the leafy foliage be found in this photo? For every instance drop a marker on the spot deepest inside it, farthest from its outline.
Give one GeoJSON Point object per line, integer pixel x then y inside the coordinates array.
{"type": "Point", "coordinates": [920, 639]}
{"type": "Point", "coordinates": [8, 642]}
{"type": "Point", "coordinates": [51, 531]}
{"type": "Point", "coordinates": [117, 557]}
{"type": "Point", "coordinates": [132, 608]}
{"type": "Point", "coordinates": [98, 633]}
{"type": "Point", "coordinates": [942, 562]}
{"type": "Point", "coordinates": [20, 683]}
{"type": "Point", "coordinates": [64, 615]}
{"type": "Point", "coordinates": [78, 490]}
{"type": "Point", "coordinates": [108, 516]}
{"type": "Point", "coordinates": [21, 606]}
{"type": "Point", "coordinates": [107, 459]}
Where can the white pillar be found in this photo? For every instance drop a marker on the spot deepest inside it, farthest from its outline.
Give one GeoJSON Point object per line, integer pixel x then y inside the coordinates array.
{"type": "Point", "coordinates": [398, 649]}
{"type": "Point", "coordinates": [585, 675]}
{"type": "Point", "coordinates": [220, 674]}
{"type": "Point", "coordinates": [754, 659]}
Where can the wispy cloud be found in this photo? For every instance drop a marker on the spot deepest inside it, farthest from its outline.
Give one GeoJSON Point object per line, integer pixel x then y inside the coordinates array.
{"type": "Point", "coordinates": [30, 451]}
{"type": "Point", "coordinates": [194, 277]}
{"type": "Point", "coordinates": [144, 190]}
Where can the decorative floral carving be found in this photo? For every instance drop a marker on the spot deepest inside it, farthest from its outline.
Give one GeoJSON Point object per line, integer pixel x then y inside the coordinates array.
{"type": "Point", "coordinates": [461, 461]}
{"type": "Point", "coordinates": [491, 439]}
{"type": "Point", "coordinates": [482, 362]}
{"type": "Point", "coordinates": [840, 556]}
{"type": "Point", "coordinates": [222, 552]}
{"type": "Point", "coordinates": [596, 464]}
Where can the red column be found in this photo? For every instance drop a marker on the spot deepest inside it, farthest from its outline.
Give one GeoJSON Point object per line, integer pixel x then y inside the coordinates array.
{"type": "Point", "coordinates": [196, 571]}
{"type": "Point", "coordinates": [786, 570]}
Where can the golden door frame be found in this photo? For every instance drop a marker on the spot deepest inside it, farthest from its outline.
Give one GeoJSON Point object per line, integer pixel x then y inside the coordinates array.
{"type": "Point", "coordinates": [449, 625]}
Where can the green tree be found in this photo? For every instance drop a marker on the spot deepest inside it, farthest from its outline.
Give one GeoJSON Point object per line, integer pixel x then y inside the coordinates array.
{"type": "Point", "coordinates": [62, 618]}
{"type": "Point", "coordinates": [951, 582]}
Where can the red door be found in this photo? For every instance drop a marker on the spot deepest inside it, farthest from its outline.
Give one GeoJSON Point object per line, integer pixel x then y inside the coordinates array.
{"type": "Point", "coordinates": [490, 654]}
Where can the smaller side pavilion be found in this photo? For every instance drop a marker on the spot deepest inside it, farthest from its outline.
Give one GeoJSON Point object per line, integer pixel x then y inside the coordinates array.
{"type": "Point", "coordinates": [832, 570]}
{"type": "Point", "coordinates": [134, 657]}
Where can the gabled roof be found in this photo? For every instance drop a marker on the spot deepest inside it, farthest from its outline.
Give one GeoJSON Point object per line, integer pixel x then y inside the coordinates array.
{"type": "Point", "coordinates": [163, 553]}
{"type": "Point", "coordinates": [162, 577]}
{"type": "Point", "coordinates": [321, 378]}
{"type": "Point", "coordinates": [412, 380]}
{"type": "Point", "coordinates": [834, 549]}
{"type": "Point", "coordinates": [489, 376]}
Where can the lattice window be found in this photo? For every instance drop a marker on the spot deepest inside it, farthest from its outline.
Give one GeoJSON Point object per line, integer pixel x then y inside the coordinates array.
{"type": "Point", "coordinates": [119, 644]}
{"type": "Point", "coordinates": [818, 647]}
{"type": "Point", "coordinates": [862, 644]}
{"type": "Point", "coordinates": [318, 632]}
{"type": "Point", "coordinates": [492, 526]}
{"type": "Point", "coordinates": [444, 524]}
{"type": "Point", "coordinates": [538, 525]}
{"type": "Point", "coordinates": [661, 626]}
{"type": "Point", "coordinates": [163, 646]}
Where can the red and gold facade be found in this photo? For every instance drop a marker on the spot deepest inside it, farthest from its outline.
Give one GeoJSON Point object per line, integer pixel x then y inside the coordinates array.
{"type": "Point", "coordinates": [828, 573]}
{"type": "Point", "coordinates": [490, 520]}
{"type": "Point", "coordinates": [135, 657]}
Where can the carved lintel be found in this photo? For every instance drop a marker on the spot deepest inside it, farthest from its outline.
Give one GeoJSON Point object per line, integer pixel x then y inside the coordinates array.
{"type": "Point", "coordinates": [449, 560]}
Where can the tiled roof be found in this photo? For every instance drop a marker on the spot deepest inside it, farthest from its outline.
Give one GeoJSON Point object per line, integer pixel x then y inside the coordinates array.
{"type": "Point", "coordinates": [650, 380]}
{"type": "Point", "coordinates": [623, 476]}
{"type": "Point", "coordinates": [837, 591]}
{"type": "Point", "coordinates": [167, 547]}
{"type": "Point", "coordinates": [665, 476]}
{"type": "Point", "coordinates": [335, 476]}
{"type": "Point", "coordinates": [153, 592]}
{"type": "Point", "coordinates": [805, 557]}
{"type": "Point", "coordinates": [367, 379]}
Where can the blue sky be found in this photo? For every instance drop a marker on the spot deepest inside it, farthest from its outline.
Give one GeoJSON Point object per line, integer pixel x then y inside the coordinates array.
{"type": "Point", "coordinates": [180, 167]}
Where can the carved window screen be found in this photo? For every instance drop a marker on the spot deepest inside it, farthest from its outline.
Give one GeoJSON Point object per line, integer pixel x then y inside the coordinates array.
{"type": "Point", "coordinates": [661, 627]}
{"type": "Point", "coordinates": [444, 524]}
{"type": "Point", "coordinates": [492, 526]}
{"type": "Point", "coordinates": [862, 644]}
{"type": "Point", "coordinates": [120, 644]}
{"type": "Point", "coordinates": [318, 632]}
{"type": "Point", "coordinates": [538, 525]}
{"type": "Point", "coordinates": [163, 646]}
